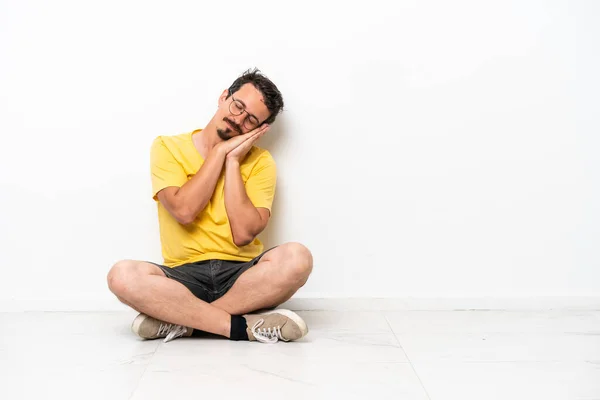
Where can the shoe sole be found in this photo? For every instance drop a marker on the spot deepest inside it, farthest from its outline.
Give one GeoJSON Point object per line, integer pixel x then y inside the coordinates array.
{"type": "Point", "coordinates": [293, 316]}
{"type": "Point", "coordinates": [137, 322]}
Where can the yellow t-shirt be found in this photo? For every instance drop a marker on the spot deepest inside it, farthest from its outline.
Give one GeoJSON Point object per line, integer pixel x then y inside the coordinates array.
{"type": "Point", "coordinates": [175, 160]}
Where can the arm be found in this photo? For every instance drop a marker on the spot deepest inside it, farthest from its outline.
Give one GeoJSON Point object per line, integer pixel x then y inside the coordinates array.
{"type": "Point", "coordinates": [186, 202]}
{"type": "Point", "coordinates": [246, 220]}
{"type": "Point", "coordinates": [184, 199]}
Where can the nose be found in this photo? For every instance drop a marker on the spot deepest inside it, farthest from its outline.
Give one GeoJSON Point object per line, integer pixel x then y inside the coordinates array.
{"type": "Point", "coordinates": [238, 119]}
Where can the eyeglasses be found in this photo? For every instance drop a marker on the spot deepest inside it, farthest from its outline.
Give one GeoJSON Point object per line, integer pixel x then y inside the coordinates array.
{"type": "Point", "coordinates": [237, 108]}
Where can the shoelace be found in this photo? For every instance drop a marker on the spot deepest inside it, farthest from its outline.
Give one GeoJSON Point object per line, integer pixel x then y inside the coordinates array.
{"type": "Point", "coordinates": [172, 331]}
{"type": "Point", "coordinates": [267, 335]}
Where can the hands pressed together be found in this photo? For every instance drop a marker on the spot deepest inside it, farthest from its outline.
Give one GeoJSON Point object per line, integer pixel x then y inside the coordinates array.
{"type": "Point", "coordinates": [236, 148]}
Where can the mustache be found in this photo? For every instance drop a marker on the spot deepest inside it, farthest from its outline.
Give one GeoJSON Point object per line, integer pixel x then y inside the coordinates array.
{"type": "Point", "coordinates": [237, 128]}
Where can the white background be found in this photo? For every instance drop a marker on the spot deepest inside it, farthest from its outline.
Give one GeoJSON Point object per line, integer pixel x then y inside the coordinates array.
{"type": "Point", "coordinates": [428, 148]}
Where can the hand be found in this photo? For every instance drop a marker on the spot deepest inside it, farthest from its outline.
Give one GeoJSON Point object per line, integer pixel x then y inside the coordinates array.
{"type": "Point", "coordinates": [240, 151]}
{"type": "Point", "coordinates": [227, 146]}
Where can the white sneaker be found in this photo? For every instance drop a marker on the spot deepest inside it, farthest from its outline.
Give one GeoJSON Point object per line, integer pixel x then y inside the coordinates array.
{"type": "Point", "coordinates": [272, 326]}
{"type": "Point", "coordinates": [147, 327]}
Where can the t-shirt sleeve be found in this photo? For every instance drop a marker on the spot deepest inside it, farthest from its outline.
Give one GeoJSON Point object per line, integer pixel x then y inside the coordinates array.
{"type": "Point", "coordinates": [165, 169]}
{"type": "Point", "coordinates": [260, 186]}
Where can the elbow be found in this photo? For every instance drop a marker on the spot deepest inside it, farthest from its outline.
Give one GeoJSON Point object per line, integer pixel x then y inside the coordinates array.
{"type": "Point", "coordinates": [185, 221]}
{"type": "Point", "coordinates": [241, 240]}
{"type": "Point", "coordinates": [243, 243]}
{"type": "Point", "coordinates": [184, 216]}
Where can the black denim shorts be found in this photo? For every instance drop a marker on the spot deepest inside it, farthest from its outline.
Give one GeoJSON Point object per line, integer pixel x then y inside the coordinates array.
{"type": "Point", "coordinates": [210, 279]}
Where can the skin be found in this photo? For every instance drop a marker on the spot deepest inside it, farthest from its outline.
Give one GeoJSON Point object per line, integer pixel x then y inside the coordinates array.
{"type": "Point", "coordinates": [223, 144]}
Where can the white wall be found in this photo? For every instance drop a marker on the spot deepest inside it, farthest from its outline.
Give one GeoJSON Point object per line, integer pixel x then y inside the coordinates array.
{"type": "Point", "coordinates": [428, 148]}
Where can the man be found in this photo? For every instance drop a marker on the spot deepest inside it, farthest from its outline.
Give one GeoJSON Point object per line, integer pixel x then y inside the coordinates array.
{"type": "Point", "coordinates": [214, 190]}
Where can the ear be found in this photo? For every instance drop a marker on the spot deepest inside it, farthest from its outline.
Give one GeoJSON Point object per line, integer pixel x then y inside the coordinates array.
{"type": "Point", "coordinates": [223, 96]}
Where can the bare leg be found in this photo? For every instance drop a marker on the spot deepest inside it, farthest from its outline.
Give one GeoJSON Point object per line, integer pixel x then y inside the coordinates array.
{"type": "Point", "coordinates": [278, 275]}
{"type": "Point", "coordinates": [145, 288]}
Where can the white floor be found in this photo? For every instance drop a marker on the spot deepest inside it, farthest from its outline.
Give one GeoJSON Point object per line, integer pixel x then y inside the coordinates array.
{"type": "Point", "coordinates": [347, 355]}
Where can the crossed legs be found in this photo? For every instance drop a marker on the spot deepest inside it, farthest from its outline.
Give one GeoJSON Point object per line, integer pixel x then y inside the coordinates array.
{"type": "Point", "coordinates": [277, 276]}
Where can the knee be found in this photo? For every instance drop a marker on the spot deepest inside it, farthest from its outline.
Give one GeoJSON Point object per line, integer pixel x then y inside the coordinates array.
{"type": "Point", "coordinates": [121, 277]}
{"type": "Point", "coordinates": [298, 262]}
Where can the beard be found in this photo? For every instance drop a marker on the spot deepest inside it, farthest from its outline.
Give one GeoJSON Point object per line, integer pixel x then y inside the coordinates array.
{"type": "Point", "coordinates": [224, 134]}
{"type": "Point", "coordinates": [228, 133]}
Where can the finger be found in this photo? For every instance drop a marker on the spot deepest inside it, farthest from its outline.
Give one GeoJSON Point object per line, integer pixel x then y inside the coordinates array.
{"type": "Point", "coordinates": [249, 135]}
{"type": "Point", "coordinates": [260, 131]}
{"type": "Point", "coordinates": [263, 133]}
{"type": "Point", "coordinates": [263, 128]}
{"type": "Point", "coordinates": [255, 132]}
{"type": "Point", "coordinates": [248, 141]}
{"type": "Point", "coordinates": [246, 136]}
{"type": "Point", "coordinates": [254, 138]}
{"type": "Point", "coordinates": [260, 134]}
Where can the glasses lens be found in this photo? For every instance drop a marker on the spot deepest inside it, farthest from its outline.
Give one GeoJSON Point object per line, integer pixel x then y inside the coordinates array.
{"type": "Point", "coordinates": [251, 123]}
{"type": "Point", "coordinates": [236, 107]}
